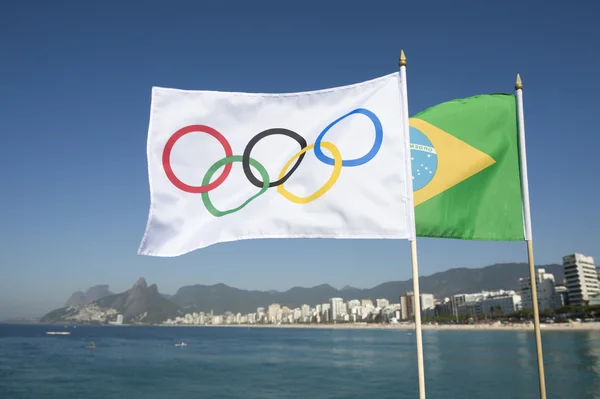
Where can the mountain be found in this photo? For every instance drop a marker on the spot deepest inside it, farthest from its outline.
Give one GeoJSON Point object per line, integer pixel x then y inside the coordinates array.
{"type": "Point", "coordinates": [97, 292]}
{"type": "Point", "coordinates": [221, 298]}
{"type": "Point", "coordinates": [92, 294]}
{"type": "Point", "coordinates": [140, 304]}
{"type": "Point", "coordinates": [76, 299]}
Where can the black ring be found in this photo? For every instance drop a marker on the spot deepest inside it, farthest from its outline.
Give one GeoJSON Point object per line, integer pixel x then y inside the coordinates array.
{"type": "Point", "coordinates": [256, 139]}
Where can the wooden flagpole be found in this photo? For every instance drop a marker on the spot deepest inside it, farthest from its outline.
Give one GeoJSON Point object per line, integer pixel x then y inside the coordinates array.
{"type": "Point", "coordinates": [413, 244]}
{"type": "Point", "coordinates": [528, 237]}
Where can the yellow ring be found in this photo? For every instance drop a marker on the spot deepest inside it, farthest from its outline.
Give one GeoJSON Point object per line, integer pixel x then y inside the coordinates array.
{"type": "Point", "coordinates": [337, 169]}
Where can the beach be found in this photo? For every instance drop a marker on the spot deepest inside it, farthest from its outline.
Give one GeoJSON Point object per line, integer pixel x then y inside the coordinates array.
{"type": "Point", "coordinates": [575, 326]}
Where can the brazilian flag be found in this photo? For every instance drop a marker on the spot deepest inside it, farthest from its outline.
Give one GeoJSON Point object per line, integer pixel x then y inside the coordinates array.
{"type": "Point", "coordinates": [465, 165]}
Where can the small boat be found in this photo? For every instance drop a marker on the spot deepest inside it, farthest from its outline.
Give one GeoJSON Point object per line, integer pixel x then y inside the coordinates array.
{"type": "Point", "coordinates": [180, 343]}
{"type": "Point", "coordinates": [92, 345]}
{"type": "Point", "coordinates": [58, 333]}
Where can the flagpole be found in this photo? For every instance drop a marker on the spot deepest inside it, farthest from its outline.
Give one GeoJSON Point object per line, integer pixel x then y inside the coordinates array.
{"type": "Point", "coordinates": [413, 243]}
{"type": "Point", "coordinates": [529, 237]}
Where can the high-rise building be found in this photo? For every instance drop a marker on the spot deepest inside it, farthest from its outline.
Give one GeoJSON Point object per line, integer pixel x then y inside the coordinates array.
{"type": "Point", "coordinates": [546, 291]}
{"type": "Point", "coordinates": [305, 312]}
{"type": "Point", "coordinates": [337, 308]}
{"type": "Point", "coordinates": [272, 312]}
{"type": "Point", "coordinates": [297, 315]}
{"type": "Point", "coordinates": [427, 301]}
{"type": "Point", "coordinates": [581, 277]}
{"type": "Point", "coordinates": [325, 314]}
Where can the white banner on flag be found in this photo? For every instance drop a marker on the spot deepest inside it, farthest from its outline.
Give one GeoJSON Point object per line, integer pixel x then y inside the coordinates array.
{"type": "Point", "coordinates": [331, 163]}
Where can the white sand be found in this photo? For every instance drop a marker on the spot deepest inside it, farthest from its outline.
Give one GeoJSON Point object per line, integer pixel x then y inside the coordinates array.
{"type": "Point", "coordinates": [410, 326]}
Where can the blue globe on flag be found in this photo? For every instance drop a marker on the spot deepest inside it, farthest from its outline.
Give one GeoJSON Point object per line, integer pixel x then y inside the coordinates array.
{"type": "Point", "coordinates": [423, 157]}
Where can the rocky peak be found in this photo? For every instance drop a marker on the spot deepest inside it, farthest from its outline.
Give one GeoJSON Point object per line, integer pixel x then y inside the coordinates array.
{"type": "Point", "coordinates": [140, 297]}
{"type": "Point", "coordinates": [91, 295]}
{"type": "Point", "coordinates": [141, 283]}
{"type": "Point", "coordinates": [97, 292]}
{"type": "Point", "coordinates": [78, 298]}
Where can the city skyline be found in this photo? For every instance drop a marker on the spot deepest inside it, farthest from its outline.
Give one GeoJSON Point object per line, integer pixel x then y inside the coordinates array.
{"type": "Point", "coordinates": [579, 285]}
{"type": "Point", "coordinates": [126, 286]}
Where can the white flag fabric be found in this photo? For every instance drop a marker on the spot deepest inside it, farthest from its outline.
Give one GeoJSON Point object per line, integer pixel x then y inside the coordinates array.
{"type": "Point", "coordinates": [225, 166]}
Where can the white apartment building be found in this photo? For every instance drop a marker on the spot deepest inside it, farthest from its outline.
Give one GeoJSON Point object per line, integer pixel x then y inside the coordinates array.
{"type": "Point", "coordinates": [272, 312]}
{"type": "Point", "coordinates": [484, 303]}
{"type": "Point", "coordinates": [337, 308]}
{"type": "Point", "coordinates": [297, 314]}
{"type": "Point", "coordinates": [508, 304]}
{"type": "Point", "coordinates": [325, 315]}
{"type": "Point", "coordinates": [427, 301]}
{"type": "Point", "coordinates": [306, 312]}
{"type": "Point", "coordinates": [546, 292]}
{"type": "Point", "coordinates": [581, 277]}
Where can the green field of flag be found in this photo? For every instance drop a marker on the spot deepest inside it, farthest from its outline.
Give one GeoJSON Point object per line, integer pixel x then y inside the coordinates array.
{"type": "Point", "coordinates": [465, 161]}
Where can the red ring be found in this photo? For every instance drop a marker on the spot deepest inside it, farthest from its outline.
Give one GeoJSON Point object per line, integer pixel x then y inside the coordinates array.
{"type": "Point", "coordinates": [166, 159]}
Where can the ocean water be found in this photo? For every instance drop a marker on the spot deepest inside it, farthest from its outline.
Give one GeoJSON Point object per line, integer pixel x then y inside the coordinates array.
{"type": "Point", "coordinates": [264, 363]}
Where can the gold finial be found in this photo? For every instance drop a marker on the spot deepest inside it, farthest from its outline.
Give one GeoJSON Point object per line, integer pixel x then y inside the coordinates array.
{"type": "Point", "coordinates": [402, 61]}
{"type": "Point", "coordinates": [519, 84]}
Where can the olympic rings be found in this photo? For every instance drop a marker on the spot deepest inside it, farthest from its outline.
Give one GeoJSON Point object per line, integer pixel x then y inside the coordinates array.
{"type": "Point", "coordinates": [256, 139]}
{"type": "Point", "coordinates": [247, 162]}
{"type": "Point", "coordinates": [166, 159]}
{"type": "Point", "coordinates": [337, 169]}
{"type": "Point", "coordinates": [228, 161]}
{"type": "Point", "coordinates": [358, 161]}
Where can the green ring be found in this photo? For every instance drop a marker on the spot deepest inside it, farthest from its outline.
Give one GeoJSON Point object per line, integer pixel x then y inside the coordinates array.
{"type": "Point", "coordinates": [211, 171]}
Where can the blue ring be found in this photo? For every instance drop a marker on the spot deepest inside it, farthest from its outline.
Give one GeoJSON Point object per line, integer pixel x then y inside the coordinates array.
{"type": "Point", "coordinates": [358, 161]}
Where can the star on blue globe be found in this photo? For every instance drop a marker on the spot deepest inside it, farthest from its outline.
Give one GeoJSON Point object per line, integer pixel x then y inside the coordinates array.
{"type": "Point", "coordinates": [423, 157]}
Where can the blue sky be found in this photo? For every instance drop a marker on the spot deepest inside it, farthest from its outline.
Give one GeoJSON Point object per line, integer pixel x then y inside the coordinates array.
{"type": "Point", "coordinates": [75, 81]}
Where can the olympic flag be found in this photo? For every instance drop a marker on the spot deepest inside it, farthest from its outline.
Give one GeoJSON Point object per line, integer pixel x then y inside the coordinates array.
{"type": "Point", "coordinates": [225, 166]}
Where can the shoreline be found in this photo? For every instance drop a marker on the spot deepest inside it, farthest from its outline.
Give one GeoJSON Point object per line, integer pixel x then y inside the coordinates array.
{"type": "Point", "coordinates": [593, 326]}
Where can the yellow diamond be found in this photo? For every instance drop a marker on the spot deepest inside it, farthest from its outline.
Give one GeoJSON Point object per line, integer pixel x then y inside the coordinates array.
{"type": "Point", "coordinates": [457, 160]}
